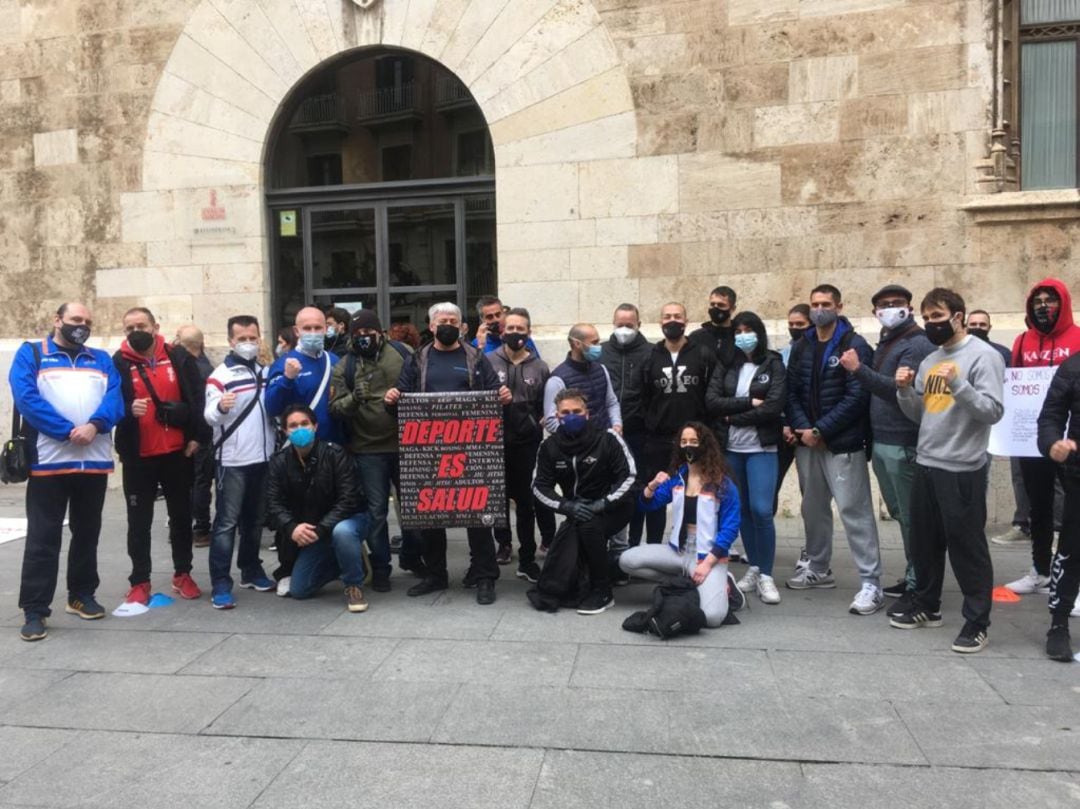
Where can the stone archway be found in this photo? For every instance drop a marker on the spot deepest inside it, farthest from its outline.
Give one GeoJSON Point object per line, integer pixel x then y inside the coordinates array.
{"type": "Point", "coordinates": [545, 73]}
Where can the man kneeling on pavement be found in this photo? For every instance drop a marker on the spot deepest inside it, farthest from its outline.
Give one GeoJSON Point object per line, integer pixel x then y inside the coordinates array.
{"type": "Point", "coordinates": [313, 494]}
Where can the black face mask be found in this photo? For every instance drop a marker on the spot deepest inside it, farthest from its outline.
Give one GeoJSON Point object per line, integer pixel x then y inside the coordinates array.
{"type": "Point", "coordinates": [515, 341]}
{"type": "Point", "coordinates": [366, 345]}
{"type": "Point", "coordinates": [689, 454]}
{"type": "Point", "coordinates": [718, 315]}
{"type": "Point", "coordinates": [796, 334]}
{"type": "Point", "coordinates": [939, 332]}
{"type": "Point", "coordinates": [447, 335]}
{"type": "Point", "coordinates": [75, 333]}
{"type": "Point", "coordinates": [982, 334]}
{"type": "Point", "coordinates": [140, 340]}
{"type": "Point", "coordinates": [673, 330]}
{"type": "Point", "coordinates": [1044, 318]}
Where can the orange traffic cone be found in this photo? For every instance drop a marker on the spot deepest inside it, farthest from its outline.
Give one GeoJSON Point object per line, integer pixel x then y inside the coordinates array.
{"type": "Point", "coordinates": [1004, 595]}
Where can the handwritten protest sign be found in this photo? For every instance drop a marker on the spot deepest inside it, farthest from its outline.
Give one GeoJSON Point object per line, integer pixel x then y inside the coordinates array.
{"type": "Point", "coordinates": [1025, 391]}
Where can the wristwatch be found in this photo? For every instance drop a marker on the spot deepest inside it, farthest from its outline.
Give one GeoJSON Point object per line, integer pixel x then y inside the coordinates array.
{"type": "Point", "coordinates": [815, 432]}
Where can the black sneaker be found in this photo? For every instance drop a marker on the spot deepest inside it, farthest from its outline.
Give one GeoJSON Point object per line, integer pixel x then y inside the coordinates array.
{"type": "Point", "coordinates": [620, 579]}
{"type": "Point", "coordinates": [485, 591]}
{"type": "Point", "coordinates": [34, 628]}
{"type": "Point", "coordinates": [902, 605]}
{"type": "Point", "coordinates": [380, 583]}
{"type": "Point", "coordinates": [469, 581]}
{"type": "Point", "coordinates": [395, 543]}
{"type": "Point", "coordinates": [736, 597]}
{"type": "Point", "coordinates": [504, 554]}
{"type": "Point", "coordinates": [913, 619]}
{"type": "Point", "coordinates": [414, 566]}
{"type": "Point", "coordinates": [85, 607]}
{"type": "Point", "coordinates": [1058, 646]}
{"type": "Point", "coordinates": [426, 585]}
{"type": "Point", "coordinates": [596, 603]}
{"type": "Point", "coordinates": [972, 638]}
{"type": "Point", "coordinates": [530, 571]}
{"type": "Point", "coordinates": [896, 591]}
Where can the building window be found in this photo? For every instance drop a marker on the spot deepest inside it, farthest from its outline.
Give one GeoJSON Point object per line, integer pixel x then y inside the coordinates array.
{"type": "Point", "coordinates": [1049, 38]}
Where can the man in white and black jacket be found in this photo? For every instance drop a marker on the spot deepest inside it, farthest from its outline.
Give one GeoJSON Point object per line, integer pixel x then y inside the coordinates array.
{"type": "Point", "coordinates": [594, 471]}
{"type": "Point", "coordinates": [243, 443]}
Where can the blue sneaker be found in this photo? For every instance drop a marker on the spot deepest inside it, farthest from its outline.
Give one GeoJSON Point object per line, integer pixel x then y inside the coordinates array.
{"type": "Point", "coordinates": [223, 599]}
{"type": "Point", "coordinates": [262, 583]}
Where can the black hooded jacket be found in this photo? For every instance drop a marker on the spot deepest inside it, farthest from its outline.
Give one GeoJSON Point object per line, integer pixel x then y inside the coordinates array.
{"type": "Point", "coordinates": [592, 465]}
{"type": "Point", "coordinates": [624, 364]}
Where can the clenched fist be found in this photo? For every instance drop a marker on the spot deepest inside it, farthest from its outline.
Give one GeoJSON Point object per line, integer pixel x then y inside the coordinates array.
{"type": "Point", "coordinates": [139, 407]}
{"type": "Point", "coordinates": [904, 377]}
{"type": "Point", "coordinates": [228, 401]}
{"type": "Point", "coordinates": [292, 368]}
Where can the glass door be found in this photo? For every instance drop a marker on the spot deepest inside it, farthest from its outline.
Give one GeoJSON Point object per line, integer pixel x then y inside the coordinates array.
{"type": "Point", "coordinates": [422, 261]}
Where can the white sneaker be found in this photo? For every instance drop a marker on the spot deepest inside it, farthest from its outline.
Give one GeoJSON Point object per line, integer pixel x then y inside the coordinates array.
{"type": "Point", "coordinates": [749, 581]}
{"type": "Point", "coordinates": [868, 600]}
{"type": "Point", "coordinates": [1030, 582]}
{"type": "Point", "coordinates": [806, 579]}
{"type": "Point", "coordinates": [804, 561]}
{"type": "Point", "coordinates": [766, 590]}
{"type": "Point", "coordinates": [283, 586]}
{"type": "Point", "coordinates": [1014, 536]}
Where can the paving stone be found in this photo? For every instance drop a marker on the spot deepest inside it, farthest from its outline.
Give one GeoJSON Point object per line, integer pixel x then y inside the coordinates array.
{"type": "Point", "coordinates": [573, 779]}
{"type": "Point", "coordinates": [436, 620]}
{"type": "Point", "coordinates": [24, 687]}
{"type": "Point", "coordinates": [525, 664]}
{"type": "Point", "coordinates": [670, 666]}
{"type": "Point", "coordinates": [1032, 682]}
{"type": "Point", "coordinates": [335, 774]}
{"type": "Point", "coordinates": [294, 656]}
{"type": "Point", "coordinates": [146, 652]}
{"type": "Point", "coordinates": [144, 702]}
{"type": "Point", "coordinates": [338, 709]}
{"type": "Point", "coordinates": [1009, 736]}
{"type": "Point", "coordinates": [25, 747]}
{"type": "Point", "coordinates": [108, 770]}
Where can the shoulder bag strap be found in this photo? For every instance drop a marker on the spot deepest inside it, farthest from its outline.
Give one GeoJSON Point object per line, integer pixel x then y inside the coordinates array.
{"type": "Point", "coordinates": [227, 433]}
{"type": "Point", "coordinates": [149, 387]}
{"type": "Point", "coordinates": [322, 385]}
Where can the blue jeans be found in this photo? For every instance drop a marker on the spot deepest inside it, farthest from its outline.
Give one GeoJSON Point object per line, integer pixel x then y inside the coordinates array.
{"type": "Point", "coordinates": [340, 556]}
{"type": "Point", "coordinates": [376, 471]}
{"type": "Point", "coordinates": [240, 491]}
{"type": "Point", "coordinates": [756, 474]}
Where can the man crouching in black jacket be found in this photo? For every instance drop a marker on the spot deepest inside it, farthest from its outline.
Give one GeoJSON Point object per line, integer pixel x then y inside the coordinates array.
{"type": "Point", "coordinates": [595, 472]}
{"type": "Point", "coordinates": [313, 496]}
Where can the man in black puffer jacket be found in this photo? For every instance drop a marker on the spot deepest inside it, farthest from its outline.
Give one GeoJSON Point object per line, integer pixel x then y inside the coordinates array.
{"type": "Point", "coordinates": [827, 421]}
{"type": "Point", "coordinates": [314, 498]}
{"type": "Point", "coordinates": [594, 471]}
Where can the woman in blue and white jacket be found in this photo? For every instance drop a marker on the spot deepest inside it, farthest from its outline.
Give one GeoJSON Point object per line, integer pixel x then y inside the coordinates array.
{"type": "Point", "coordinates": [705, 515]}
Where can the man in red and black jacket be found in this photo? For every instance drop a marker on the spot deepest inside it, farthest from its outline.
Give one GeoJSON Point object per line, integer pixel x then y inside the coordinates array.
{"type": "Point", "coordinates": [1050, 339]}
{"type": "Point", "coordinates": [162, 428]}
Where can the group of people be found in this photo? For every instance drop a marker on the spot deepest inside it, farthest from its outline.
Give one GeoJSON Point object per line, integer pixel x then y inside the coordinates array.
{"type": "Point", "coordinates": [682, 443]}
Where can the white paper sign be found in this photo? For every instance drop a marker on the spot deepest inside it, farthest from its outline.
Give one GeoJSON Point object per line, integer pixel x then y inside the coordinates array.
{"type": "Point", "coordinates": [1015, 436]}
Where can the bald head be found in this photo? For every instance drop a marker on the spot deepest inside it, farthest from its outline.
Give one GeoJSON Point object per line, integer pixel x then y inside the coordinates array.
{"type": "Point", "coordinates": [310, 320]}
{"type": "Point", "coordinates": [191, 338]}
{"type": "Point", "coordinates": [581, 336]}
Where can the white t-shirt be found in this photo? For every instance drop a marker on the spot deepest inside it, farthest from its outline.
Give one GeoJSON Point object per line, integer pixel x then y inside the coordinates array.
{"type": "Point", "coordinates": [745, 439]}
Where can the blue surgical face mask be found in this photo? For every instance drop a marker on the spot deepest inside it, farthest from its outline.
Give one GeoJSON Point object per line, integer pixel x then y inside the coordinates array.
{"type": "Point", "coordinates": [746, 342]}
{"type": "Point", "coordinates": [573, 423]}
{"type": "Point", "coordinates": [311, 343]}
{"type": "Point", "coordinates": [302, 437]}
{"type": "Point", "coordinates": [331, 332]}
{"type": "Point", "coordinates": [592, 353]}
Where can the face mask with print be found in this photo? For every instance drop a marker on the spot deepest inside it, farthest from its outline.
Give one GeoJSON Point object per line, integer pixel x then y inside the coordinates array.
{"type": "Point", "coordinates": [311, 343]}
{"type": "Point", "coordinates": [514, 340]}
{"type": "Point", "coordinates": [746, 342]}
{"type": "Point", "coordinates": [76, 334]}
{"type": "Point", "coordinates": [718, 315]}
{"type": "Point", "coordinates": [893, 316]}
{"type": "Point", "coordinates": [246, 351]}
{"type": "Point", "coordinates": [366, 345]}
{"type": "Point", "coordinates": [689, 453]}
{"type": "Point", "coordinates": [624, 334]}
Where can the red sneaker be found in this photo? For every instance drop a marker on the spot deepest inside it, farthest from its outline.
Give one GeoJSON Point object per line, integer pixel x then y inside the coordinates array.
{"type": "Point", "coordinates": [183, 584]}
{"type": "Point", "coordinates": [138, 594]}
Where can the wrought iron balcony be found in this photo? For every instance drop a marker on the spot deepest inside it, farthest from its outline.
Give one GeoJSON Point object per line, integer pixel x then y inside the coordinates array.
{"type": "Point", "coordinates": [389, 104]}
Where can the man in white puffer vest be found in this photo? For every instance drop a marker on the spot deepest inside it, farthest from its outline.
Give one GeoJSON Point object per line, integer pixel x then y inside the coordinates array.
{"type": "Point", "coordinates": [243, 444]}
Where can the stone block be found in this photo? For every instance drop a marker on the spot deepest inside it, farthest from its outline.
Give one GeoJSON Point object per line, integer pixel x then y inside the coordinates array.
{"type": "Point", "coordinates": [124, 282]}
{"type": "Point", "coordinates": [811, 8]}
{"type": "Point", "coordinates": [712, 181]}
{"type": "Point", "coordinates": [598, 299]}
{"type": "Point", "coordinates": [227, 279]}
{"type": "Point", "coordinates": [471, 25]}
{"type": "Point", "coordinates": [165, 253]}
{"type": "Point", "coordinates": [658, 55]}
{"type": "Point", "coordinates": [756, 85]}
{"type": "Point", "coordinates": [25, 747]}
{"type": "Point", "coordinates": [705, 258]}
{"type": "Point", "coordinates": [56, 148]}
{"type": "Point", "coordinates": [325, 25]}
{"type": "Point", "coordinates": [913, 71]}
{"type": "Point", "coordinates": [797, 123]}
{"type": "Point", "coordinates": [214, 310]}
{"type": "Point", "coordinates": [10, 91]}
{"type": "Point", "coordinates": [538, 193]}
{"type": "Point", "coordinates": [172, 135]}
{"type": "Point", "coordinates": [512, 28]}
{"type": "Point", "coordinates": [285, 17]}
{"type": "Point", "coordinates": [693, 227]}
{"type": "Point", "coordinates": [192, 63]}
{"type": "Point", "coordinates": [115, 651]}
{"type": "Point", "coordinates": [742, 669]}
{"type": "Point", "coordinates": [148, 216]}
{"type": "Point", "coordinates": [948, 111]}
{"type": "Point", "coordinates": [598, 262]}
{"type": "Point", "coordinates": [259, 31]}
{"type": "Point", "coordinates": [211, 31]}
{"type": "Point", "coordinates": [534, 265]}
{"type": "Point", "coordinates": [456, 661]}
{"type": "Point", "coordinates": [773, 223]}
{"type": "Point", "coordinates": [624, 230]}
{"type": "Point", "coordinates": [549, 303]}
{"type": "Point", "coordinates": [164, 171]}
{"type": "Point", "coordinates": [298, 656]}
{"type": "Point", "coordinates": [547, 235]}
{"type": "Point", "coordinates": [637, 187]}
{"type": "Point", "coordinates": [666, 133]}
{"type": "Point", "coordinates": [875, 116]}
{"type": "Point", "coordinates": [828, 78]}
{"type": "Point", "coordinates": [62, 221]}
{"type": "Point", "coordinates": [650, 260]}
{"type": "Point", "coordinates": [748, 12]}
{"type": "Point", "coordinates": [602, 96]}
{"type": "Point", "coordinates": [601, 139]}
{"type": "Point", "coordinates": [45, 20]}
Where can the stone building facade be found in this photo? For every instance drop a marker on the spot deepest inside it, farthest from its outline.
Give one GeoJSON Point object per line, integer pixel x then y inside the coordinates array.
{"type": "Point", "coordinates": [644, 150]}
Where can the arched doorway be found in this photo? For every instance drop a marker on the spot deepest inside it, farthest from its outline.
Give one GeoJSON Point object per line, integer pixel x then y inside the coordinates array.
{"type": "Point", "coordinates": [380, 189]}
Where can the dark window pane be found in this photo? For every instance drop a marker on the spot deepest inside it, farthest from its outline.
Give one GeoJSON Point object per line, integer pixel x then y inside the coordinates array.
{"type": "Point", "coordinates": [397, 163]}
{"type": "Point", "coordinates": [343, 248]}
{"type": "Point", "coordinates": [418, 239]}
{"type": "Point", "coordinates": [480, 251]}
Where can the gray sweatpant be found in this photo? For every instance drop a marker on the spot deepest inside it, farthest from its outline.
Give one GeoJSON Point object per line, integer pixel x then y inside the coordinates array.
{"type": "Point", "coordinates": [663, 564]}
{"type": "Point", "coordinates": [824, 477]}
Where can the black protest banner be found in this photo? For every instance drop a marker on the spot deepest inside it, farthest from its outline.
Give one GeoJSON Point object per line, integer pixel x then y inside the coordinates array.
{"type": "Point", "coordinates": [453, 464]}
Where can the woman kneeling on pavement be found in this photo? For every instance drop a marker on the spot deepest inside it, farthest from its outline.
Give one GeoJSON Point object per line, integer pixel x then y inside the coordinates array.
{"type": "Point", "coordinates": [705, 521]}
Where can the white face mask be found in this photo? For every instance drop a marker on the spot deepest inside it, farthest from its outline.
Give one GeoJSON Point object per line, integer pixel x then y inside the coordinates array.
{"type": "Point", "coordinates": [893, 317]}
{"type": "Point", "coordinates": [246, 351]}
{"type": "Point", "coordinates": [624, 334]}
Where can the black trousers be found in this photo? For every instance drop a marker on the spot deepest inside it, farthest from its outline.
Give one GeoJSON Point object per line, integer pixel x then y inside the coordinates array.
{"type": "Point", "coordinates": [48, 498]}
{"type": "Point", "coordinates": [141, 477]}
{"type": "Point", "coordinates": [201, 489]}
{"type": "Point", "coordinates": [593, 543]}
{"type": "Point", "coordinates": [287, 552]}
{"type": "Point", "coordinates": [635, 442]}
{"type": "Point", "coordinates": [656, 457]}
{"type": "Point", "coordinates": [482, 564]}
{"type": "Point", "coordinates": [1065, 571]}
{"type": "Point", "coordinates": [948, 513]}
{"type": "Point", "coordinates": [520, 463]}
{"type": "Point", "coordinates": [1040, 477]}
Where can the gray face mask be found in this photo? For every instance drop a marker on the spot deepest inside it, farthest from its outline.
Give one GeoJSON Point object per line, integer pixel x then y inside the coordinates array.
{"type": "Point", "coordinates": [823, 318]}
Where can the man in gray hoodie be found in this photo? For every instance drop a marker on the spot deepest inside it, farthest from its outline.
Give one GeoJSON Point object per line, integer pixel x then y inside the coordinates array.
{"type": "Point", "coordinates": [902, 343]}
{"type": "Point", "coordinates": [956, 398]}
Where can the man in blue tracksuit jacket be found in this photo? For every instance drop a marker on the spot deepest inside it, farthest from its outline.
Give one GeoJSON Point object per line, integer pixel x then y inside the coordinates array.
{"type": "Point", "coordinates": [69, 397]}
{"type": "Point", "coordinates": [302, 376]}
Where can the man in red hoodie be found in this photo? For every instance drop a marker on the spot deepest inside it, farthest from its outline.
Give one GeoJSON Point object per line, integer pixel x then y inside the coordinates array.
{"type": "Point", "coordinates": [162, 428]}
{"type": "Point", "coordinates": [1050, 339]}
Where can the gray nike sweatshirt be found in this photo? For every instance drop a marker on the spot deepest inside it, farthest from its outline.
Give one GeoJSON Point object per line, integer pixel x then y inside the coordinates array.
{"type": "Point", "coordinates": [954, 419]}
